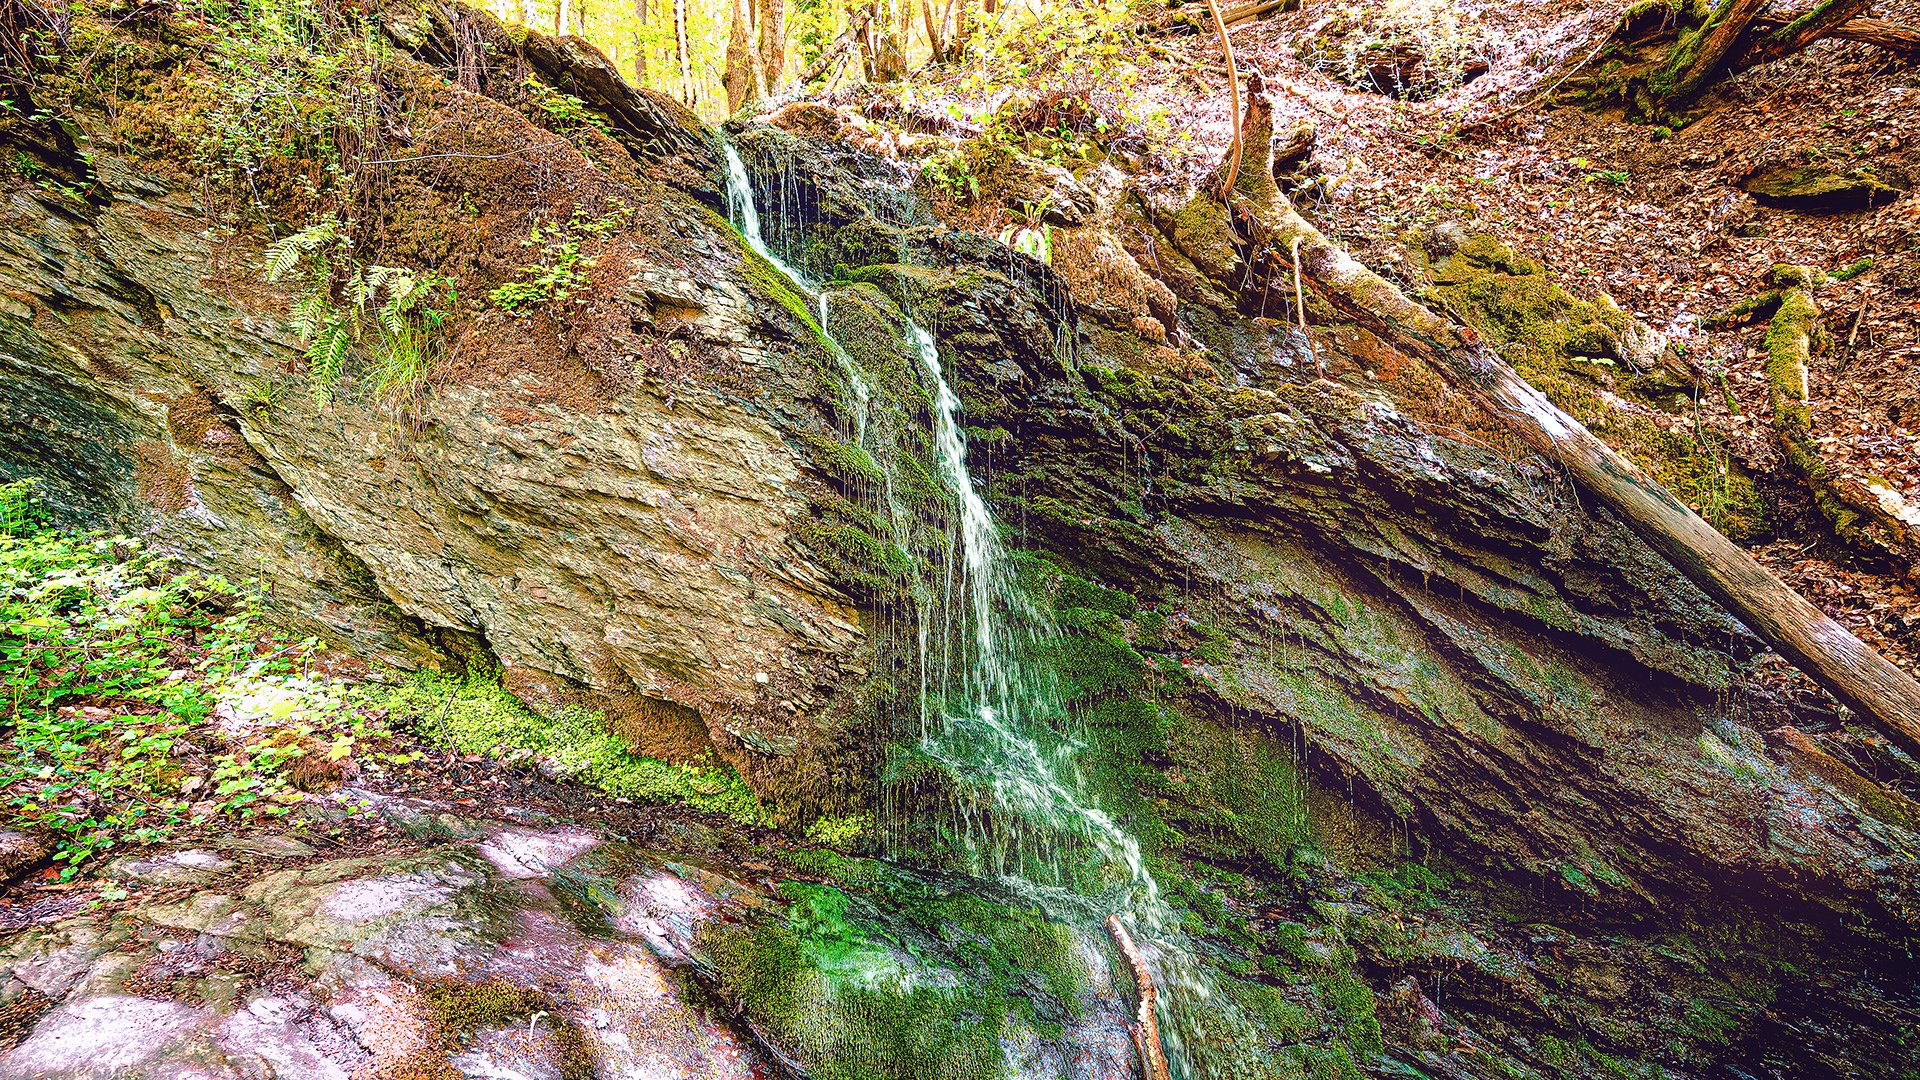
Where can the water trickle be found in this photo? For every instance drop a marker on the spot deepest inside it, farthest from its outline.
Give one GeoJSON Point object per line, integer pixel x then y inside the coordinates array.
{"type": "Point", "coordinates": [990, 716]}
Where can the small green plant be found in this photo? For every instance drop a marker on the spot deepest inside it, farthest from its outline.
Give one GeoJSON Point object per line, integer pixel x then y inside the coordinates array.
{"type": "Point", "coordinates": [291, 93]}
{"type": "Point", "coordinates": [563, 268]}
{"type": "Point", "coordinates": [109, 657]}
{"type": "Point", "coordinates": [950, 172]}
{"type": "Point", "coordinates": [344, 303]}
{"type": "Point", "coordinates": [23, 509]}
{"type": "Point", "coordinates": [1035, 237]}
{"type": "Point", "coordinates": [562, 110]}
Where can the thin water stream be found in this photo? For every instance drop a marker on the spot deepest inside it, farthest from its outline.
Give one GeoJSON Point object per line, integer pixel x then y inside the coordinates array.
{"type": "Point", "coordinates": [991, 716]}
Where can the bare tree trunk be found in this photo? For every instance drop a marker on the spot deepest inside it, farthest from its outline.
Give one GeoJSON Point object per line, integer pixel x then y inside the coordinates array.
{"type": "Point", "coordinates": [738, 75]}
{"type": "Point", "coordinates": [641, 16]}
{"type": "Point", "coordinates": [773, 42]}
{"type": "Point", "coordinates": [935, 45]}
{"type": "Point", "coordinates": [529, 13]}
{"type": "Point", "coordinates": [686, 65]}
{"type": "Point", "coordinates": [1884, 696]}
{"type": "Point", "coordinates": [563, 19]}
{"type": "Point", "coordinates": [962, 28]}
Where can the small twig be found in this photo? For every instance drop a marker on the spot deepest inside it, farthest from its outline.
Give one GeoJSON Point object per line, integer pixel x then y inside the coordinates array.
{"type": "Point", "coordinates": [1146, 1027]}
{"type": "Point", "coordinates": [1853, 335]}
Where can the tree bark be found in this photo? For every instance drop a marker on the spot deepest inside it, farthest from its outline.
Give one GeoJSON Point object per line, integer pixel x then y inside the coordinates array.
{"type": "Point", "coordinates": [686, 66]}
{"type": "Point", "coordinates": [738, 75]}
{"type": "Point", "coordinates": [563, 18]}
{"type": "Point", "coordinates": [1884, 696]}
{"type": "Point", "coordinates": [1699, 55]}
{"type": "Point", "coordinates": [852, 33]}
{"type": "Point", "coordinates": [1822, 21]}
{"type": "Point", "coordinates": [935, 44]}
{"type": "Point", "coordinates": [1891, 36]}
{"type": "Point", "coordinates": [641, 16]}
{"type": "Point", "coordinates": [773, 42]}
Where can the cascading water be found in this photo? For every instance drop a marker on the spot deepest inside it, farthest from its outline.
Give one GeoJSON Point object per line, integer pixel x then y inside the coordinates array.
{"type": "Point", "coordinates": [991, 717]}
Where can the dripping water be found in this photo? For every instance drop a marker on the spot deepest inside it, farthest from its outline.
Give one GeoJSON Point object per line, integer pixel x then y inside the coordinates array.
{"type": "Point", "coordinates": [990, 715]}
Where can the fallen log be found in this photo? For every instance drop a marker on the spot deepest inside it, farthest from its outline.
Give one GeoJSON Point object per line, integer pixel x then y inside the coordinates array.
{"type": "Point", "coordinates": [1884, 696]}
{"type": "Point", "coordinates": [1891, 36]}
{"type": "Point", "coordinates": [1146, 1025]}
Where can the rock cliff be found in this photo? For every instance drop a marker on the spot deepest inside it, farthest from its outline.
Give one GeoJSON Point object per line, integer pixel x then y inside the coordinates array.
{"type": "Point", "coordinates": [1316, 637]}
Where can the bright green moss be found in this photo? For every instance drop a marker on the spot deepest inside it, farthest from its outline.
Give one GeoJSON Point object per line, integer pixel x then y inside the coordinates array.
{"type": "Point", "coordinates": [1353, 1002]}
{"type": "Point", "coordinates": [478, 716]}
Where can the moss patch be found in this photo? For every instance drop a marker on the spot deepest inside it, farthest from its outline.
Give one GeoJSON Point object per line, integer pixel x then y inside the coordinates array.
{"type": "Point", "coordinates": [1570, 349]}
{"type": "Point", "coordinates": [477, 715]}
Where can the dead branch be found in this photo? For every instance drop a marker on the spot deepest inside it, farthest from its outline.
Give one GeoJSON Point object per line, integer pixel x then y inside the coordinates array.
{"type": "Point", "coordinates": [1884, 696]}
{"type": "Point", "coordinates": [1226, 46]}
{"type": "Point", "coordinates": [1146, 1025]}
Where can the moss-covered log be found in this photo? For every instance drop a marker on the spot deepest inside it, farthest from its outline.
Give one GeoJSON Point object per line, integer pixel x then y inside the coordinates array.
{"type": "Point", "coordinates": [1664, 53]}
{"type": "Point", "coordinates": [1867, 513]}
{"type": "Point", "coordinates": [1886, 696]}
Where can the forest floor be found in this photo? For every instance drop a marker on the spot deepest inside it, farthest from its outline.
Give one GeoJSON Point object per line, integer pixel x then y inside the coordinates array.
{"type": "Point", "coordinates": [1652, 216]}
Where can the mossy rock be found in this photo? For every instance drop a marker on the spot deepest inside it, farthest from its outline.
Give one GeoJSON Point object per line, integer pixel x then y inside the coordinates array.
{"type": "Point", "coordinates": [1818, 188]}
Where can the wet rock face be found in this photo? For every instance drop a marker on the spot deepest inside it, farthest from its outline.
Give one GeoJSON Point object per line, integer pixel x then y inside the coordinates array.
{"type": "Point", "coordinates": [1449, 633]}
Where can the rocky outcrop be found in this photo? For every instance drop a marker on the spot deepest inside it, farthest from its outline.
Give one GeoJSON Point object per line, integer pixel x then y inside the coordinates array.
{"type": "Point", "coordinates": [647, 500]}
{"type": "Point", "coordinates": [510, 945]}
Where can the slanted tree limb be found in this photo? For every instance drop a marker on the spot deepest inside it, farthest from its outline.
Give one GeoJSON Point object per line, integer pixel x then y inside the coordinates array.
{"type": "Point", "coordinates": [840, 45]}
{"type": "Point", "coordinates": [1884, 696]}
{"type": "Point", "coordinates": [1892, 36]}
{"type": "Point", "coordinates": [1664, 55]}
{"type": "Point", "coordinates": [1697, 57]}
{"type": "Point", "coordinates": [1821, 21]}
{"type": "Point", "coordinates": [1146, 1025]}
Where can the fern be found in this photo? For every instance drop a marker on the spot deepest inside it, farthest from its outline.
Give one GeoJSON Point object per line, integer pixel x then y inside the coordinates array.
{"type": "Point", "coordinates": [288, 252]}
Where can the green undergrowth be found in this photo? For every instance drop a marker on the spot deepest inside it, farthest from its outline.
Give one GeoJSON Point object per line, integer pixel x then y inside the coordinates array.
{"type": "Point", "coordinates": [112, 659]}
{"type": "Point", "coordinates": [476, 715]}
{"type": "Point", "coordinates": [115, 658]}
{"type": "Point", "coordinates": [1571, 350]}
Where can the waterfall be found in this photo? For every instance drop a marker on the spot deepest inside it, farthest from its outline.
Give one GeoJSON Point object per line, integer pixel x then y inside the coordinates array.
{"type": "Point", "coordinates": [990, 716]}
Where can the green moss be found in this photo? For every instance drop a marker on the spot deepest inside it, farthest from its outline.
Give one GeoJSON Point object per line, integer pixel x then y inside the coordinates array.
{"type": "Point", "coordinates": [456, 1011]}
{"type": "Point", "coordinates": [1279, 1020]}
{"type": "Point", "coordinates": [826, 985]}
{"type": "Point", "coordinates": [1352, 1001]}
{"type": "Point", "coordinates": [479, 716]}
{"type": "Point", "coordinates": [1707, 1022]}
{"type": "Point", "coordinates": [1568, 348]}
{"type": "Point", "coordinates": [1853, 269]}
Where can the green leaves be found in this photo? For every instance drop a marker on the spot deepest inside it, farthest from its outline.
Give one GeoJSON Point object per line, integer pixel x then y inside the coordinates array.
{"type": "Point", "coordinates": [345, 304]}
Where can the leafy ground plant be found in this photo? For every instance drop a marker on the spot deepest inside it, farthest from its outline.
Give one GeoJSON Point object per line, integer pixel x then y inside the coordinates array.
{"type": "Point", "coordinates": [142, 701]}
{"type": "Point", "coordinates": [111, 659]}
